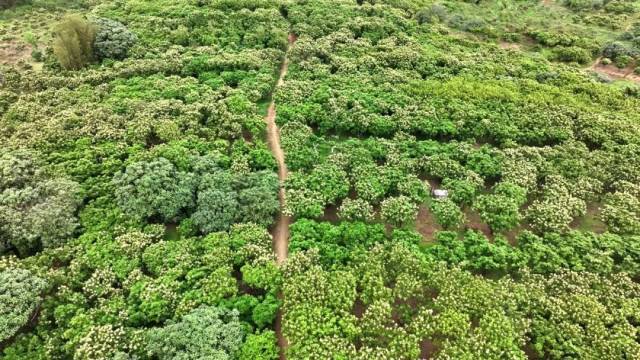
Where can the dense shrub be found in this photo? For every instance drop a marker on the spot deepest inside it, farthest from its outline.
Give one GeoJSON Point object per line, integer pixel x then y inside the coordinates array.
{"type": "Point", "coordinates": [434, 14]}
{"type": "Point", "coordinates": [112, 40]}
{"type": "Point", "coordinates": [154, 188]}
{"type": "Point", "coordinates": [20, 293]}
{"type": "Point", "coordinates": [204, 333]}
{"type": "Point", "coordinates": [36, 211]}
{"type": "Point", "coordinates": [573, 54]}
{"type": "Point", "coordinates": [498, 211]}
{"type": "Point", "coordinates": [398, 210]}
{"type": "Point", "coordinates": [447, 213]}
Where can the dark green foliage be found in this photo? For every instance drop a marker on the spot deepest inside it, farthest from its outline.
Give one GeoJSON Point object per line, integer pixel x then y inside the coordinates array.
{"type": "Point", "coordinates": [336, 243]}
{"type": "Point", "coordinates": [475, 253]}
{"type": "Point", "coordinates": [224, 198]}
{"type": "Point", "coordinates": [573, 54]}
{"type": "Point", "coordinates": [381, 98]}
{"type": "Point", "coordinates": [265, 312]}
{"type": "Point", "coordinates": [434, 14]}
{"type": "Point", "coordinates": [113, 40]}
{"type": "Point", "coordinates": [6, 4]}
{"type": "Point", "coordinates": [498, 211]}
{"type": "Point", "coordinates": [154, 188]}
{"type": "Point", "coordinates": [204, 333]}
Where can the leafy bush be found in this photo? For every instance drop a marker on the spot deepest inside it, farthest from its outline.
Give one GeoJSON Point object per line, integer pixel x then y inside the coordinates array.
{"type": "Point", "coordinates": [5, 4]}
{"type": "Point", "coordinates": [113, 40]}
{"type": "Point", "coordinates": [584, 4]}
{"type": "Point", "coordinates": [355, 210]}
{"type": "Point", "coordinates": [73, 42]}
{"type": "Point", "coordinates": [204, 333]}
{"type": "Point", "coordinates": [398, 210]}
{"type": "Point", "coordinates": [35, 211]}
{"type": "Point", "coordinates": [153, 188]}
{"type": "Point", "coordinates": [573, 54]}
{"type": "Point", "coordinates": [498, 211]}
{"type": "Point", "coordinates": [19, 295]}
{"type": "Point", "coordinates": [621, 211]}
{"type": "Point", "coordinates": [447, 213]}
{"type": "Point", "coordinates": [618, 53]}
{"type": "Point", "coordinates": [434, 14]}
{"type": "Point", "coordinates": [224, 198]}
{"type": "Point", "coordinates": [262, 346]}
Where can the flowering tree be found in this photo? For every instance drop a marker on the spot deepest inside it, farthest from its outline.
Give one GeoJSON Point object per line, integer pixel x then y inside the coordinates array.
{"type": "Point", "coordinates": [498, 211]}
{"type": "Point", "coordinates": [36, 211]}
{"type": "Point", "coordinates": [398, 210]}
{"type": "Point", "coordinates": [447, 213]}
{"type": "Point", "coordinates": [355, 209]}
{"type": "Point", "coordinates": [20, 293]}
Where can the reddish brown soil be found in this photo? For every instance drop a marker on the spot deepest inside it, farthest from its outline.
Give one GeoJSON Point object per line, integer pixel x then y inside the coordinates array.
{"type": "Point", "coordinates": [511, 235]}
{"type": "Point", "coordinates": [282, 342]}
{"type": "Point", "coordinates": [614, 72]}
{"type": "Point", "coordinates": [280, 231]}
{"type": "Point", "coordinates": [474, 222]}
{"type": "Point", "coordinates": [358, 308]}
{"type": "Point", "coordinates": [426, 224]}
{"type": "Point", "coordinates": [427, 349]}
{"type": "Point", "coordinates": [530, 352]}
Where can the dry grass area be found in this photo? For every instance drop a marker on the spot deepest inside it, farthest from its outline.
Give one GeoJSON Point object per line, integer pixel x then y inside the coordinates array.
{"type": "Point", "coordinates": [508, 45]}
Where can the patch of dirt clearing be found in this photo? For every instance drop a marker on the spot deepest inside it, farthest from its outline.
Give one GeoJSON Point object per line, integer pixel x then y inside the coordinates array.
{"type": "Point", "coordinates": [426, 224]}
{"type": "Point", "coordinates": [12, 52]}
{"type": "Point", "coordinates": [614, 72]}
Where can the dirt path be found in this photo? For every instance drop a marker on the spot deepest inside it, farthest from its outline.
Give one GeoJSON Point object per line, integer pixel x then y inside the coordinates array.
{"type": "Point", "coordinates": [280, 232]}
{"type": "Point", "coordinates": [614, 72]}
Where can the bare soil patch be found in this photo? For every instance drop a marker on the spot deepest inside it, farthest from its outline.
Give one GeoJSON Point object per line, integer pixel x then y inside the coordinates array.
{"type": "Point", "coordinates": [508, 45]}
{"type": "Point", "coordinates": [280, 231]}
{"type": "Point", "coordinates": [474, 222]}
{"type": "Point", "coordinates": [331, 214]}
{"type": "Point", "coordinates": [358, 308]}
{"type": "Point", "coordinates": [426, 224]}
{"type": "Point", "coordinates": [615, 72]}
{"type": "Point", "coordinates": [512, 235]}
{"type": "Point", "coordinates": [427, 349]}
{"type": "Point", "coordinates": [282, 342]}
{"type": "Point", "coordinates": [12, 52]}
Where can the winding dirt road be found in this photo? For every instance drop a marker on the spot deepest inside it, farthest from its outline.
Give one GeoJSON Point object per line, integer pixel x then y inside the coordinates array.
{"type": "Point", "coordinates": [280, 232]}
